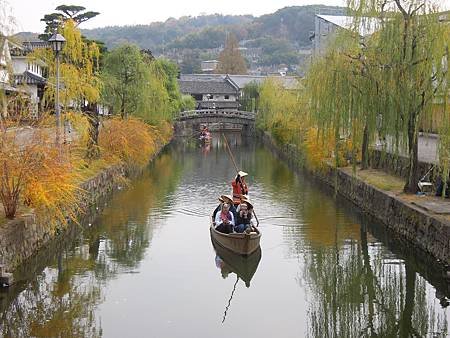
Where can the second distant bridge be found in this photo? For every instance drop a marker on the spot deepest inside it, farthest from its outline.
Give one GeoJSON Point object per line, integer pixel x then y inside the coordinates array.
{"type": "Point", "coordinates": [189, 122]}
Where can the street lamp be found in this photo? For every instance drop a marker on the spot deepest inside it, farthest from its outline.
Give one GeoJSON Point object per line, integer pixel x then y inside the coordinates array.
{"type": "Point", "coordinates": [57, 42]}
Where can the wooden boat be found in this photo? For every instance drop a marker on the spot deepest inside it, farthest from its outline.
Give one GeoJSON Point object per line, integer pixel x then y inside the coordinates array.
{"type": "Point", "coordinates": [243, 266]}
{"type": "Point", "coordinates": [243, 244]}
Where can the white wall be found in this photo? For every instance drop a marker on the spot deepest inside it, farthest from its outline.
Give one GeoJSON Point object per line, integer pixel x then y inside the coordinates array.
{"type": "Point", "coordinates": [21, 64]}
{"type": "Point", "coordinates": [323, 30]}
{"type": "Point", "coordinates": [219, 97]}
{"type": "Point", "coordinates": [5, 62]}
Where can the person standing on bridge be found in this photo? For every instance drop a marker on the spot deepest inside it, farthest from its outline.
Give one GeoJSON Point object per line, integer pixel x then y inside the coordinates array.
{"type": "Point", "coordinates": [240, 188]}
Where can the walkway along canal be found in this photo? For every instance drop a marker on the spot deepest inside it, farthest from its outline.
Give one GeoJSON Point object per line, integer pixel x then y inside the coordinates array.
{"type": "Point", "coordinates": [147, 268]}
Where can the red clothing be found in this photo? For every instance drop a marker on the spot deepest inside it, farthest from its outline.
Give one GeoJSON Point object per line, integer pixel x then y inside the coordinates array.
{"type": "Point", "coordinates": [239, 188]}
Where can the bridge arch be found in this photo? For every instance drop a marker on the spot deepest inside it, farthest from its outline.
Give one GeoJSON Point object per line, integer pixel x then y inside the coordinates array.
{"type": "Point", "coordinates": [189, 122]}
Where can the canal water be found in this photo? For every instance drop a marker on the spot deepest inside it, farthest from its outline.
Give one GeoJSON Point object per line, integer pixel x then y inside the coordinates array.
{"type": "Point", "coordinates": [146, 266]}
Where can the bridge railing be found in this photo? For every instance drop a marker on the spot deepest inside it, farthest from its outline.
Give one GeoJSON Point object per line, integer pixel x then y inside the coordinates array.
{"type": "Point", "coordinates": [229, 113]}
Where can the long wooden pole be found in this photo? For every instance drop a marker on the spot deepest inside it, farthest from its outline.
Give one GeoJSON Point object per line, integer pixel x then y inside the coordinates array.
{"type": "Point", "coordinates": [237, 170]}
{"type": "Point", "coordinates": [230, 153]}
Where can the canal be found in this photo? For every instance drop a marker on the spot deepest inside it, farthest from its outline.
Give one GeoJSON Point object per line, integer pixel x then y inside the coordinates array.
{"type": "Point", "coordinates": [146, 266]}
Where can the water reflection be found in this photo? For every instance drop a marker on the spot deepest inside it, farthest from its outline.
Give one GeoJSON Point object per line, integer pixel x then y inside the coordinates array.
{"type": "Point", "coordinates": [244, 267]}
{"type": "Point", "coordinates": [61, 300]}
{"type": "Point", "coordinates": [357, 287]}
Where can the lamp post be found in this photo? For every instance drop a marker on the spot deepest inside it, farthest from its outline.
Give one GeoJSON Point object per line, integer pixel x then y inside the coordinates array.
{"type": "Point", "coordinates": [57, 42]}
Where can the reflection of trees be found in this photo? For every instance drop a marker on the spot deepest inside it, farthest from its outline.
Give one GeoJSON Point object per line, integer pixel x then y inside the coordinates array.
{"type": "Point", "coordinates": [357, 288]}
{"type": "Point", "coordinates": [61, 300]}
{"type": "Point", "coordinates": [56, 304]}
{"type": "Point", "coordinates": [126, 224]}
{"type": "Point", "coordinates": [357, 291]}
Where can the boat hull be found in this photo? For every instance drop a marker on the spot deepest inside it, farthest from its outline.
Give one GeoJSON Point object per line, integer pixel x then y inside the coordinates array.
{"type": "Point", "coordinates": [242, 244]}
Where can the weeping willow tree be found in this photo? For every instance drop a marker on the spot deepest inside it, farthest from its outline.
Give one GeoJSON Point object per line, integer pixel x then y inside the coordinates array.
{"type": "Point", "coordinates": [138, 85]}
{"type": "Point", "coordinates": [412, 71]}
{"type": "Point", "coordinates": [81, 84]}
{"type": "Point", "coordinates": [338, 84]}
{"type": "Point", "coordinates": [387, 83]}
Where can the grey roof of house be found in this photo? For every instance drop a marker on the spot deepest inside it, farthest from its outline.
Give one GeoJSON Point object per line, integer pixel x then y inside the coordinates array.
{"type": "Point", "coordinates": [28, 78]}
{"type": "Point", "coordinates": [32, 45]}
{"type": "Point", "coordinates": [288, 82]}
{"type": "Point", "coordinates": [206, 85]}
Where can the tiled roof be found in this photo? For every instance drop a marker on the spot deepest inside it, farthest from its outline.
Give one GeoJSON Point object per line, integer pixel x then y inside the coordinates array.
{"type": "Point", "coordinates": [212, 85]}
{"type": "Point", "coordinates": [32, 45]}
{"type": "Point", "coordinates": [288, 82]}
{"type": "Point", "coordinates": [28, 78]}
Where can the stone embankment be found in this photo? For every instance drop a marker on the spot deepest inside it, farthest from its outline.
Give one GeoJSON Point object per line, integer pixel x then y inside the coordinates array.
{"type": "Point", "coordinates": [22, 238]}
{"type": "Point", "coordinates": [425, 230]}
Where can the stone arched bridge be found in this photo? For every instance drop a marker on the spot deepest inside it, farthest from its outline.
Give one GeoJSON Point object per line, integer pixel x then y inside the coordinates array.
{"type": "Point", "coordinates": [188, 123]}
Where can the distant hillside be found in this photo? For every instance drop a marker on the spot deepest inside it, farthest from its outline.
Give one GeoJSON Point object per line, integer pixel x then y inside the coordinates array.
{"type": "Point", "coordinates": [155, 35]}
{"type": "Point", "coordinates": [268, 40]}
{"type": "Point", "coordinates": [292, 24]}
{"type": "Point", "coordinates": [26, 36]}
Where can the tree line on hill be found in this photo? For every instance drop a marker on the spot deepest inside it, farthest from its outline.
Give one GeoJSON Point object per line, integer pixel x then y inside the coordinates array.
{"type": "Point", "coordinates": [278, 35]}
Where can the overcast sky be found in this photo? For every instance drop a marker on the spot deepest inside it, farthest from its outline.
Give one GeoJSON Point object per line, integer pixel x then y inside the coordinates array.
{"type": "Point", "coordinates": [113, 12]}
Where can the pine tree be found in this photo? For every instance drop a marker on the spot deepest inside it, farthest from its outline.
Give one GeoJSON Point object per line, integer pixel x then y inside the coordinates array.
{"type": "Point", "coordinates": [230, 59]}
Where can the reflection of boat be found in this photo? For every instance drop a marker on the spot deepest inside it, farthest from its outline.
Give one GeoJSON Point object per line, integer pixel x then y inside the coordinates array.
{"type": "Point", "coordinates": [240, 243]}
{"type": "Point", "coordinates": [205, 137]}
{"type": "Point", "coordinates": [243, 266]}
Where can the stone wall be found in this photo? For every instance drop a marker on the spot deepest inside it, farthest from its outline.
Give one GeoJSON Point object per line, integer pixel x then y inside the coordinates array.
{"type": "Point", "coordinates": [423, 230]}
{"type": "Point", "coordinates": [24, 237]}
{"type": "Point", "coordinates": [397, 165]}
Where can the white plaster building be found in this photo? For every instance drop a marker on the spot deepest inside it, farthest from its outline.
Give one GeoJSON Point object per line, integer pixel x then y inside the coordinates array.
{"type": "Point", "coordinates": [28, 75]}
{"type": "Point", "coordinates": [326, 26]}
{"type": "Point", "coordinates": [209, 66]}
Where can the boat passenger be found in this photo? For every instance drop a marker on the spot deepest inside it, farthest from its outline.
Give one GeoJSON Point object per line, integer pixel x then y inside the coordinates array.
{"type": "Point", "coordinates": [216, 210]}
{"type": "Point", "coordinates": [244, 198]}
{"type": "Point", "coordinates": [239, 187]}
{"type": "Point", "coordinates": [224, 221]}
{"type": "Point", "coordinates": [244, 218]}
{"type": "Point", "coordinates": [227, 199]}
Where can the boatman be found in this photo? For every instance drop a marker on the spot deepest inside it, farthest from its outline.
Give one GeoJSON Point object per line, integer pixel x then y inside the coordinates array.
{"type": "Point", "coordinates": [239, 187]}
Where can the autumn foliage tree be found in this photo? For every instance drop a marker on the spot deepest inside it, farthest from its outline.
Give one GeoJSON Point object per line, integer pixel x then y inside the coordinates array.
{"type": "Point", "coordinates": [231, 60]}
{"type": "Point", "coordinates": [80, 78]}
{"type": "Point", "coordinates": [33, 174]}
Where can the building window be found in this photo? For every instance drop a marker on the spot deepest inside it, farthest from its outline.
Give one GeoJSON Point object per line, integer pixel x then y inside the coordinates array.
{"type": "Point", "coordinates": [227, 97]}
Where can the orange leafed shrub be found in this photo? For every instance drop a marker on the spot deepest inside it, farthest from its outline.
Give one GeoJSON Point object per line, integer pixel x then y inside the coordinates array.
{"type": "Point", "coordinates": [130, 140]}
{"type": "Point", "coordinates": [321, 148]}
{"type": "Point", "coordinates": [32, 171]}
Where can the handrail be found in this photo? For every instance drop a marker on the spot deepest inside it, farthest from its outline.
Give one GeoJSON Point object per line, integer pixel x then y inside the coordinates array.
{"type": "Point", "coordinates": [216, 113]}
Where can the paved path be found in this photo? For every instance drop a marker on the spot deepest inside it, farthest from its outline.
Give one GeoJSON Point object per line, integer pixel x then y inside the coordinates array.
{"type": "Point", "coordinates": [25, 134]}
